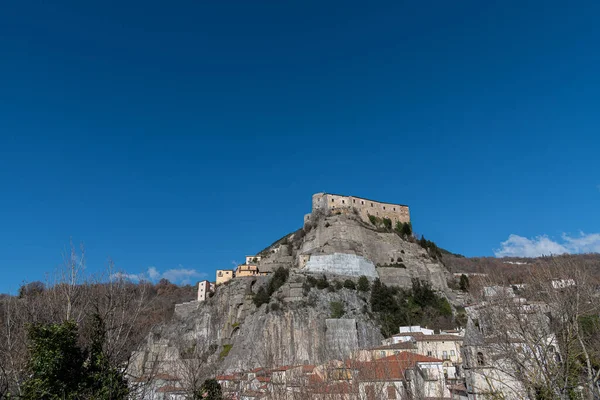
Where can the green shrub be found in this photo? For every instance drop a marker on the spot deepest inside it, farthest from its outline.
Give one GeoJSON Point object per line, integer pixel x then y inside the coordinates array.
{"type": "Point", "coordinates": [394, 265]}
{"type": "Point", "coordinates": [431, 247]}
{"type": "Point", "coordinates": [337, 309]}
{"type": "Point", "coordinates": [275, 307]}
{"type": "Point", "coordinates": [338, 285]}
{"type": "Point", "coordinates": [263, 296]}
{"type": "Point", "coordinates": [363, 284]}
{"type": "Point", "coordinates": [225, 351]}
{"type": "Point", "coordinates": [349, 284]}
{"type": "Point", "coordinates": [322, 283]}
{"type": "Point", "coordinates": [464, 283]}
{"type": "Point", "coordinates": [387, 223]}
{"type": "Point", "coordinates": [396, 307]}
{"type": "Point", "coordinates": [210, 390]}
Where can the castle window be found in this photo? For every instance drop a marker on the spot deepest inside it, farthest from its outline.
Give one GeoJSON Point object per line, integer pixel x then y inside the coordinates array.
{"type": "Point", "coordinates": [371, 204]}
{"type": "Point", "coordinates": [394, 208]}
{"type": "Point", "coordinates": [332, 200]}
{"type": "Point", "coordinates": [384, 207]}
{"type": "Point", "coordinates": [362, 202]}
{"type": "Point", "coordinates": [480, 359]}
{"type": "Point", "coordinates": [353, 200]}
{"type": "Point", "coordinates": [343, 201]}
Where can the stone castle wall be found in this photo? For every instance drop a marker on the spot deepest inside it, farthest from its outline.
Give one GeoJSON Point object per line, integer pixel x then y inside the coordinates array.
{"type": "Point", "coordinates": [364, 207]}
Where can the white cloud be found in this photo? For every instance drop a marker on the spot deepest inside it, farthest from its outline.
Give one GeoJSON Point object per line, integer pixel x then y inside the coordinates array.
{"type": "Point", "coordinates": [153, 273]}
{"type": "Point", "coordinates": [519, 246]}
{"type": "Point", "coordinates": [121, 275]}
{"type": "Point", "coordinates": [179, 275]}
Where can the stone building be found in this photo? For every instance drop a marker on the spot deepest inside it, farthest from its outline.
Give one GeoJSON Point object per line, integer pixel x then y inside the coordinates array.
{"type": "Point", "coordinates": [224, 275]}
{"type": "Point", "coordinates": [328, 202]}
{"type": "Point", "coordinates": [204, 288]}
{"type": "Point", "coordinates": [248, 270]}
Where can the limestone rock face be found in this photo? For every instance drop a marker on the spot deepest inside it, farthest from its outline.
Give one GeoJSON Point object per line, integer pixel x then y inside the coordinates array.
{"type": "Point", "coordinates": [335, 234]}
{"type": "Point", "coordinates": [341, 264]}
{"type": "Point", "coordinates": [227, 332]}
{"type": "Point", "coordinates": [232, 334]}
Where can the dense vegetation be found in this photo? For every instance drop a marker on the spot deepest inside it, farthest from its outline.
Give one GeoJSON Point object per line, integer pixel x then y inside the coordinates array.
{"type": "Point", "coordinates": [419, 305]}
{"type": "Point", "coordinates": [263, 295]}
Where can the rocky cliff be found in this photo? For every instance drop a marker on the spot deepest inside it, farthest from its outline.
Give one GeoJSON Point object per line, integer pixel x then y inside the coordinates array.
{"type": "Point", "coordinates": [228, 332]}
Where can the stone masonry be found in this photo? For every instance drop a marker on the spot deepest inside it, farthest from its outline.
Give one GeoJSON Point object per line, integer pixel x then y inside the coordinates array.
{"type": "Point", "coordinates": [364, 207]}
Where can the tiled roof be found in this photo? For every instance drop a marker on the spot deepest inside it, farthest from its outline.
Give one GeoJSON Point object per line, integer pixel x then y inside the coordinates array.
{"type": "Point", "coordinates": [390, 368]}
{"type": "Point", "coordinates": [308, 368]}
{"type": "Point", "coordinates": [228, 378]}
{"type": "Point", "coordinates": [169, 389]}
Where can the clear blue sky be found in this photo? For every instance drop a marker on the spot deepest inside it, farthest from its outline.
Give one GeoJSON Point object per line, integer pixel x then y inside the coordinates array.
{"type": "Point", "coordinates": [184, 135]}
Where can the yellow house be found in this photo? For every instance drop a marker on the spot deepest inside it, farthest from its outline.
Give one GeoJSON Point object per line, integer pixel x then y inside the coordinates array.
{"type": "Point", "coordinates": [247, 270]}
{"type": "Point", "coordinates": [224, 275]}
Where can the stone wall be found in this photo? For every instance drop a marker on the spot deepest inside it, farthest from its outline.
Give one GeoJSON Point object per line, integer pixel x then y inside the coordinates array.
{"type": "Point", "coordinates": [341, 264]}
{"type": "Point", "coordinates": [341, 338]}
{"type": "Point", "coordinates": [364, 207]}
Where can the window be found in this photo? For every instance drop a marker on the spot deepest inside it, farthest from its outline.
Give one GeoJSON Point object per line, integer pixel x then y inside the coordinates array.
{"type": "Point", "coordinates": [480, 359]}
{"type": "Point", "coordinates": [362, 202]}
{"type": "Point", "coordinates": [452, 353]}
{"type": "Point", "coordinates": [343, 201]}
{"type": "Point", "coordinates": [371, 204]}
{"type": "Point", "coordinates": [332, 200]}
{"type": "Point", "coordinates": [391, 393]}
{"type": "Point", "coordinates": [429, 353]}
{"type": "Point", "coordinates": [444, 355]}
{"type": "Point", "coordinates": [370, 392]}
{"type": "Point", "coordinates": [394, 208]}
{"type": "Point", "coordinates": [384, 207]}
{"type": "Point", "coordinates": [354, 200]}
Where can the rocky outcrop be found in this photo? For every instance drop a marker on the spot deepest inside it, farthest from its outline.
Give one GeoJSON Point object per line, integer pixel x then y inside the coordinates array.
{"type": "Point", "coordinates": [231, 333]}
{"type": "Point", "coordinates": [347, 234]}
{"type": "Point", "coordinates": [228, 332]}
{"type": "Point", "coordinates": [341, 264]}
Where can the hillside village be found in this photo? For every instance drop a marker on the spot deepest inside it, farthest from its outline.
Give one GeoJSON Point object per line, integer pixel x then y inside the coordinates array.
{"type": "Point", "coordinates": [315, 335]}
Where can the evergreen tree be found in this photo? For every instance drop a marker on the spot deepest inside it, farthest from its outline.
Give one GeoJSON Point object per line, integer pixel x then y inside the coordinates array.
{"type": "Point", "coordinates": [363, 284]}
{"type": "Point", "coordinates": [103, 380]}
{"type": "Point", "coordinates": [210, 390]}
{"type": "Point", "coordinates": [464, 283]}
{"type": "Point", "coordinates": [349, 284]}
{"type": "Point", "coordinates": [56, 362]}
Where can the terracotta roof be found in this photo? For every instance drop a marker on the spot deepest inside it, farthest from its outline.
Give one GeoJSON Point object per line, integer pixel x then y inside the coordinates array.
{"type": "Point", "coordinates": [283, 368]}
{"type": "Point", "coordinates": [263, 379]}
{"type": "Point", "coordinates": [308, 368]}
{"type": "Point", "coordinates": [169, 389]}
{"type": "Point", "coordinates": [228, 378]}
{"type": "Point", "coordinates": [390, 368]}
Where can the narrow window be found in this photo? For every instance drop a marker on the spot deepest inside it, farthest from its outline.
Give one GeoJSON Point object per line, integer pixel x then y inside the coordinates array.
{"type": "Point", "coordinates": [343, 201]}
{"type": "Point", "coordinates": [480, 359]}
{"type": "Point", "coordinates": [353, 200]}
{"type": "Point", "coordinates": [452, 353]}
{"type": "Point", "coordinates": [384, 207]}
{"type": "Point", "coordinates": [429, 353]}
{"type": "Point", "coordinates": [444, 355]}
{"type": "Point", "coordinates": [362, 202]}
{"type": "Point", "coordinates": [371, 204]}
{"type": "Point", "coordinates": [394, 208]}
{"type": "Point", "coordinates": [332, 200]}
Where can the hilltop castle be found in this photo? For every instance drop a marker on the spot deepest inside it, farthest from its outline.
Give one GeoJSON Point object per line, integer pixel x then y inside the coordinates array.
{"type": "Point", "coordinates": [328, 202]}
